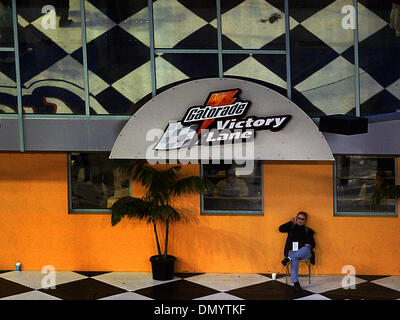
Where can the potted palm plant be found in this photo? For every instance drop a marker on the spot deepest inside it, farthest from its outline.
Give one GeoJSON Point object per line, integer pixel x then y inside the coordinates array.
{"type": "Point", "coordinates": [155, 206]}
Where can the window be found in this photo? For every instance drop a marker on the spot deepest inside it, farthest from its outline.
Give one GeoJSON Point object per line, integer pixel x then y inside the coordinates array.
{"type": "Point", "coordinates": [233, 192]}
{"type": "Point", "coordinates": [357, 179]}
{"type": "Point", "coordinates": [94, 182]}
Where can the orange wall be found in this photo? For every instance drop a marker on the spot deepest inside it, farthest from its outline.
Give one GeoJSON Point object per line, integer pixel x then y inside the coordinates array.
{"type": "Point", "coordinates": [37, 230]}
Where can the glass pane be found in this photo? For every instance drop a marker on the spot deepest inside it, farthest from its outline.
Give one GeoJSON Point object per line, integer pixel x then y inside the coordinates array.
{"type": "Point", "coordinates": [189, 24]}
{"type": "Point", "coordinates": [233, 192]}
{"type": "Point", "coordinates": [357, 180]}
{"type": "Point", "coordinates": [256, 68]}
{"type": "Point", "coordinates": [173, 67]}
{"type": "Point", "coordinates": [6, 24]}
{"type": "Point", "coordinates": [118, 49]}
{"type": "Point", "coordinates": [379, 50]}
{"type": "Point", "coordinates": [321, 65]}
{"type": "Point", "coordinates": [95, 184]}
{"type": "Point", "coordinates": [51, 74]}
{"type": "Point", "coordinates": [253, 24]}
{"type": "Point", "coordinates": [8, 86]}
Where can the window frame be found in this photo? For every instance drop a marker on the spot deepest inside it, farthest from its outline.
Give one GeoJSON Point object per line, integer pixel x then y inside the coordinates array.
{"type": "Point", "coordinates": [337, 213]}
{"type": "Point", "coordinates": [204, 212]}
{"type": "Point", "coordinates": [85, 211]}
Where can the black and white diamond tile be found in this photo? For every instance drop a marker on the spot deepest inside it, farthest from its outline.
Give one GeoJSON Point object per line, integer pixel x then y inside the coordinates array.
{"type": "Point", "coordinates": [118, 43]}
{"type": "Point", "coordinates": [251, 68]}
{"type": "Point", "coordinates": [173, 22]}
{"type": "Point", "coordinates": [93, 285]}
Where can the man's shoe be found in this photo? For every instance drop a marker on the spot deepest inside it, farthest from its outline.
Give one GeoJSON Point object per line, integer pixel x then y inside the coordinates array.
{"type": "Point", "coordinates": [297, 286]}
{"type": "Point", "coordinates": [285, 261]}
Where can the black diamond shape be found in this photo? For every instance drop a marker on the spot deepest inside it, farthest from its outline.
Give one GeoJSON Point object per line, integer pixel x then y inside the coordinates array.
{"type": "Point", "coordinates": [91, 273]}
{"type": "Point", "coordinates": [10, 288]}
{"type": "Point", "coordinates": [86, 289]}
{"type": "Point", "coordinates": [114, 54]}
{"type": "Point", "coordinates": [308, 107]}
{"type": "Point", "coordinates": [308, 55]}
{"type": "Point", "coordinates": [114, 102]}
{"type": "Point", "coordinates": [118, 10]}
{"type": "Point", "coordinates": [176, 290]}
{"type": "Point", "coordinates": [378, 55]}
{"type": "Point", "coordinates": [366, 290]}
{"type": "Point", "coordinates": [194, 65]}
{"type": "Point", "coordinates": [382, 102]}
{"type": "Point", "coordinates": [44, 52]}
{"type": "Point", "coordinates": [371, 277]}
{"type": "Point", "coordinates": [379, 7]}
{"type": "Point", "coordinates": [301, 10]}
{"type": "Point", "coordinates": [271, 290]}
{"type": "Point", "coordinates": [205, 9]}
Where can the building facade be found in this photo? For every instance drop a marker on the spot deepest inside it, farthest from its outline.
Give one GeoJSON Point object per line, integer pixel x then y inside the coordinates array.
{"type": "Point", "coordinates": [72, 73]}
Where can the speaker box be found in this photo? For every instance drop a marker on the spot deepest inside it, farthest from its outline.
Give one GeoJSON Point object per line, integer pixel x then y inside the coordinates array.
{"type": "Point", "coordinates": [343, 124]}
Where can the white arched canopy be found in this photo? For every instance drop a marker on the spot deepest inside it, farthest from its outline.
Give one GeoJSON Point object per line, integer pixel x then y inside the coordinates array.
{"type": "Point", "coordinates": [270, 126]}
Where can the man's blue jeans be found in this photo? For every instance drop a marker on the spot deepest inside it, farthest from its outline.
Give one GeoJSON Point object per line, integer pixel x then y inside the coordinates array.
{"type": "Point", "coordinates": [295, 256]}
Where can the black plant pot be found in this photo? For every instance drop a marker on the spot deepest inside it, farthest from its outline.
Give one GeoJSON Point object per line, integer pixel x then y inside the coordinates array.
{"type": "Point", "coordinates": [163, 269]}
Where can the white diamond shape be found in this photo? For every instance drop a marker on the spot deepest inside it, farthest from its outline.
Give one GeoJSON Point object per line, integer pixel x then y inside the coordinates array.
{"type": "Point", "coordinates": [368, 86]}
{"type": "Point", "coordinates": [394, 89]}
{"type": "Point", "coordinates": [138, 26]}
{"type": "Point", "coordinates": [251, 68]}
{"type": "Point", "coordinates": [368, 22]}
{"type": "Point", "coordinates": [243, 24]}
{"type": "Point", "coordinates": [173, 22]}
{"type": "Point", "coordinates": [96, 22]}
{"type": "Point", "coordinates": [130, 280]}
{"type": "Point", "coordinates": [22, 22]}
{"type": "Point", "coordinates": [127, 296]}
{"type": "Point", "coordinates": [323, 283]}
{"type": "Point", "coordinates": [32, 295]}
{"type": "Point", "coordinates": [392, 282]}
{"type": "Point", "coordinates": [33, 279]}
{"type": "Point", "coordinates": [69, 70]}
{"type": "Point", "coordinates": [70, 38]}
{"type": "Point", "coordinates": [137, 84]}
{"type": "Point", "coordinates": [219, 296]}
{"type": "Point", "coordinates": [331, 89]}
{"type": "Point", "coordinates": [166, 73]}
{"type": "Point", "coordinates": [327, 26]}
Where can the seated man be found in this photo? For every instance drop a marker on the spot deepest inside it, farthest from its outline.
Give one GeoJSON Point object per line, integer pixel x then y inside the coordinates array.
{"type": "Point", "coordinates": [231, 186]}
{"type": "Point", "coordinates": [299, 244]}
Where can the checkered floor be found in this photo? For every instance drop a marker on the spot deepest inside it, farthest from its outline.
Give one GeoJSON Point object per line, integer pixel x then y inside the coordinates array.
{"type": "Point", "coordinates": [80, 285]}
{"type": "Point", "coordinates": [118, 48]}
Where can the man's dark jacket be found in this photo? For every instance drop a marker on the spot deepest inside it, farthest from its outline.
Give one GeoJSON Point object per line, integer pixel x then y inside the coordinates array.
{"type": "Point", "coordinates": [289, 228]}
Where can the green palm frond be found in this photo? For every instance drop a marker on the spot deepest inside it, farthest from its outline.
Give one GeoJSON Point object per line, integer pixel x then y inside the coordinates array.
{"type": "Point", "coordinates": [191, 184]}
